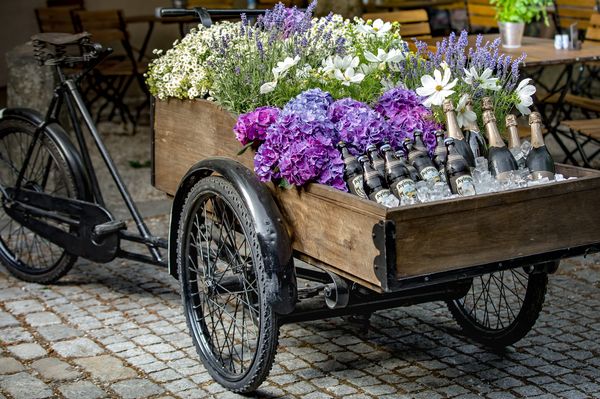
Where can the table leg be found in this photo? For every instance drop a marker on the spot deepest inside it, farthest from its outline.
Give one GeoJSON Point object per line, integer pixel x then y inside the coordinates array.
{"type": "Point", "coordinates": [146, 40]}
{"type": "Point", "coordinates": [551, 120]}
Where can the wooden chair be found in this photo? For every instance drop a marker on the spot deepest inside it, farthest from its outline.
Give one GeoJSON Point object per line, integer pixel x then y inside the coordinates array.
{"type": "Point", "coordinates": [413, 23]}
{"type": "Point", "coordinates": [56, 19]}
{"type": "Point", "coordinates": [481, 15]}
{"type": "Point", "coordinates": [571, 11]}
{"type": "Point", "coordinates": [113, 77]}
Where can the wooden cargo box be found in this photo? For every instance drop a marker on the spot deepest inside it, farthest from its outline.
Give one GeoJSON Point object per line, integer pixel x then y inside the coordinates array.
{"type": "Point", "coordinates": [340, 231]}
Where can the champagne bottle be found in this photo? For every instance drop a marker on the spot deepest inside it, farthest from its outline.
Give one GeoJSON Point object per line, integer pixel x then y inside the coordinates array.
{"type": "Point", "coordinates": [514, 141]}
{"type": "Point", "coordinates": [473, 135]}
{"type": "Point", "coordinates": [440, 155]}
{"type": "Point", "coordinates": [458, 171]}
{"type": "Point", "coordinates": [418, 158]}
{"type": "Point", "coordinates": [454, 131]}
{"type": "Point", "coordinates": [353, 173]}
{"type": "Point", "coordinates": [501, 161]}
{"type": "Point", "coordinates": [376, 161]}
{"type": "Point", "coordinates": [397, 176]}
{"type": "Point", "coordinates": [374, 184]}
{"type": "Point", "coordinates": [539, 160]}
{"type": "Point", "coordinates": [402, 157]}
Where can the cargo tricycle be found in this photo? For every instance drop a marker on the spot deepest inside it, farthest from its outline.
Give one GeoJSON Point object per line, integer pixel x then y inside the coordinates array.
{"type": "Point", "coordinates": [251, 256]}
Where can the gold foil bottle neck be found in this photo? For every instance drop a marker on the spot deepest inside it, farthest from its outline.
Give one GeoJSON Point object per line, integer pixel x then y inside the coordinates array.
{"type": "Point", "coordinates": [487, 103]}
{"type": "Point", "coordinates": [511, 120]}
{"type": "Point", "coordinates": [447, 105]}
{"type": "Point", "coordinates": [489, 117]}
{"type": "Point", "coordinates": [535, 117]}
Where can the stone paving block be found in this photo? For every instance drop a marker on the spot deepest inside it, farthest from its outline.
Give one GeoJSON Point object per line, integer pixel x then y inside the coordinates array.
{"type": "Point", "coordinates": [78, 347]}
{"type": "Point", "coordinates": [11, 293]}
{"type": "Point", "coordinates": [54, 369]}
{"type": "Point", "coordinates": [165, 375]}
{"type": "Point", "coordinates": [8, 365]}
{"type": "Point", "coordinates": [14, 334]}
{"type": "Point", "coordinates": [6, 320]}
{"type": "Point", "coordinates": [27, 351]}
{"type": "Point", "coordinates": [81, 389]}
{"type": "Point", "coordinates": [25, 386]}
{"type": "Point", "coordinates": [179, 385]}
{"type": "Point", "coordinates": [24, 306]}
{"type": "Point", "coordinates": [136, 388]}
{"type": "Point", "coordinates": [106, 368]}
{"type": "Point", "coordinates": [42, 319]}
{"type": "Point", "coordinates": [57, 332]}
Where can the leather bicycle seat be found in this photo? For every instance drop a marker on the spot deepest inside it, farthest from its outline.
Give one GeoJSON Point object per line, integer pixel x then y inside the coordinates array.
{"type": "Point", "coordinates": [60, 39]}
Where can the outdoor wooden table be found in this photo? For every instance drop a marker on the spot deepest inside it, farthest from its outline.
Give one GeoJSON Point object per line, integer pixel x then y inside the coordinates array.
{"type": "Point", "coordinates": [407, 4]}
{"type": "Point", "coordinates": [541, 54]}
{"type": "Point", "coordinates": [151, 20]}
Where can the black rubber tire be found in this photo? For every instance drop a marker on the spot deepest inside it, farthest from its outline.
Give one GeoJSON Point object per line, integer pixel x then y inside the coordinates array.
{"type": "Point", "coordinates": [18, 262]}
{"type": "Point", "coordinates": [251, 278]}
{"type": "Point", "coordinates": [517, 325]}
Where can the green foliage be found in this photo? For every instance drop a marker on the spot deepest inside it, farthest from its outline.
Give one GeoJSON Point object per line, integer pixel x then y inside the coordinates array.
{"type": "Point", "coordinates": [521, 10]}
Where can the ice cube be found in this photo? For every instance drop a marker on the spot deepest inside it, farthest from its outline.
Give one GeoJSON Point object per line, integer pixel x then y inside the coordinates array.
{"type": "Point", "coordinates": [559, 177]}
{"type": "Point", "coordinates": [391, 201]}
{"type": "Point", "coordinates": [481, 164]}
{"type": "Point", "coordinates": [525, 147]}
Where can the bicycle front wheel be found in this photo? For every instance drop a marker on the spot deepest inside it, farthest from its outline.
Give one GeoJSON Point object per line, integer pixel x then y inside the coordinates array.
{"type": "Point", "coordinates": [26, 254]}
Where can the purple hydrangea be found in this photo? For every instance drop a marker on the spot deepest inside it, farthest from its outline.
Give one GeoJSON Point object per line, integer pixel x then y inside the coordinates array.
{"type": "Point", "coordinates": [396, 101]}
{"type": "Point", "coordinates": [253, 126]}
{"type": "Point", "coordinates": [313, 100]}
{"type": "Point", "coordinates": [405, 114]}
{"type": "Point", "coordinates": [300, 145]}
{"type": "Point", "coordinates": [313, 159]}
{"type": "Point", "coordinates": [357, 124]}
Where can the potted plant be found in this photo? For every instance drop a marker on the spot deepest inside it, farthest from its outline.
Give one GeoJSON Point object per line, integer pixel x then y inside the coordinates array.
{"type": "Point", "coordinates": [512, 15]}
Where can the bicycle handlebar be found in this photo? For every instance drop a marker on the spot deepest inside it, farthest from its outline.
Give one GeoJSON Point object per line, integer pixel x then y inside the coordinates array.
{"type": "Point", "coordinates": [205, 14]}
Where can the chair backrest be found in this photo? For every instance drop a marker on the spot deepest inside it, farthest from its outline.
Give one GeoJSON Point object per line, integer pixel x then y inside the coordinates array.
{"type": "Point", "coordinates": [106, 26]}
{"type": "Point", "coordinates": [64, 3]}
{"type": "Point", "coordinates": [210, 3]}
{"type": "Point", "coordinates": [593, 30]}
{"type": "Point", "coordinates": [571, 11]}
{"type": "Point", "coordinates": [481, 14]}
{"type": "Point", "coordinates": [413, 23]}
{"type": "Point", "coordinates": [56, 19]}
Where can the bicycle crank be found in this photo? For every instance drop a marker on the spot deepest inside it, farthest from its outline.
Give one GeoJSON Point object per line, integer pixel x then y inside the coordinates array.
{"type": "Point", "coordinates": [68, 223]}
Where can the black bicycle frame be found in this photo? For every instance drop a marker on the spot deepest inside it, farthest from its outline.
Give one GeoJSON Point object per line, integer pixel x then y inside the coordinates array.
{"type": "Point", "coordinates": [68, 91]}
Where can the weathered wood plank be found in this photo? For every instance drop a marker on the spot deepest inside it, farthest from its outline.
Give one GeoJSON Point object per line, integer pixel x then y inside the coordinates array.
{"type": "Point", "coordinates": [496, 227]}
{"type": "Point", "coordinates": [325, 224]}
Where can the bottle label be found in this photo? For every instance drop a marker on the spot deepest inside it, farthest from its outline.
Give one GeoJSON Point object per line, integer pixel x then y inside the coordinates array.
{"type": "Point", "coordinates": [405, 188]}
{"type": "Point", "coordinates": [382, 196]}
{"type": "Point", "coordinates": [356, 186]}
{"type": "Point", "coordinates": [465, 185]}
{"type": "Point", "coordinates": [430, 173]}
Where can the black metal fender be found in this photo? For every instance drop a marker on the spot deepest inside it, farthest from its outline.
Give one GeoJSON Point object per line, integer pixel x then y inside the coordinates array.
{"type": "Point", "coordinates": [274, 240]}
{"type": "Point", "coordinates": [58, 135]}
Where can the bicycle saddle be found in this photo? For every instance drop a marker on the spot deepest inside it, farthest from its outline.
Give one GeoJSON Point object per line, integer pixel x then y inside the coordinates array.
{"type": "Point", "coordinates": [60, 39]}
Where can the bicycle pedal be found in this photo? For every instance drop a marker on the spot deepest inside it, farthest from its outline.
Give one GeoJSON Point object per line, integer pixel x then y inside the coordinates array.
{"type": "Point", "coordinates": [109, 227]}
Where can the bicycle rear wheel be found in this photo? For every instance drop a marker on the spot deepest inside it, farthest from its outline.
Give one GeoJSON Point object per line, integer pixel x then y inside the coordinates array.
{"type": "Point", "coordinates": [500, 308]}
{"type": "Point", "coordinates": [26, 254]}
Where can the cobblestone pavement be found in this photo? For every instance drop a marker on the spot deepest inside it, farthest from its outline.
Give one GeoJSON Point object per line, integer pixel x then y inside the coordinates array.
{"type": "Point", "coordinates": [117, 330]}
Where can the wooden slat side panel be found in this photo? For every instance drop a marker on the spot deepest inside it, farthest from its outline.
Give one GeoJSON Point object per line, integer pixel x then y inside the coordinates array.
{"type": "Point", "coordinates": [496, 230]}
{"type": "Point", "coordinates": [482, 10]}
{"type": "Point", "coordinates": [338, 236]}
{"type": "Point", "coordinates": [187, 132]}
{"type": "Point", "coordinates": [326, 224]}
{"type": "Point", "coordinates": [399, 16]}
